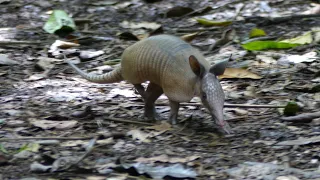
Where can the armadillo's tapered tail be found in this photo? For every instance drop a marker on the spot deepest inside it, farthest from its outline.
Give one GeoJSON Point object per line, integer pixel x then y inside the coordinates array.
{"type": "Point", "coordinates": [110, 77]}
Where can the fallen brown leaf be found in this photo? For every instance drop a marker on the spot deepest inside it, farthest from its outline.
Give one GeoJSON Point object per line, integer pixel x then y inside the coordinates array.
{"type": "Point", "coordinates": [46, 124]}
{"type": "Point", "coordinates": [238, 73]}
{"type": "Point", "coordinates": [164, 126]}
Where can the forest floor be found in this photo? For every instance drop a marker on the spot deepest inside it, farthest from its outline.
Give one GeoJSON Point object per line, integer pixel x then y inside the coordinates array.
{"type": "Point", "coordinates": [54, 124]}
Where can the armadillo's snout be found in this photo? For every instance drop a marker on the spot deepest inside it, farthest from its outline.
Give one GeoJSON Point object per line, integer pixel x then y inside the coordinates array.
{"type": "Point", "coordinates": [223, 125]}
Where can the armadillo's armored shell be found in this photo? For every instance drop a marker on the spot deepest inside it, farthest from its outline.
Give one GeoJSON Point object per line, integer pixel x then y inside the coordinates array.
{"type": "Point", "coordinates": [163, 60]}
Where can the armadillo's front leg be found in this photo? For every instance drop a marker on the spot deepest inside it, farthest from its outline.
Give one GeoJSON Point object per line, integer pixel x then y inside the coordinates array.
{"type": "Point", "coordinates": [174, 108]}
{"type": "Point", "coordinates": [152, 93]}
{"type": "Point", "coordinates": [140, 90]}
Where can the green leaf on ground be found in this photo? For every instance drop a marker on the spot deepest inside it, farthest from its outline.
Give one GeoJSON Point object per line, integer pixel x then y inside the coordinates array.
{"type": "Point", "coordinates": [2, 149]}
{"type": "Point", "coordinates": [291, 109]}
{"type": "Point", "coordinates": [59, 20]}
{"type": "Point", "coordinates": [306, 38]}
{"type": "Point", "coordinates": [262, 45]}
{"type": "Point", "coordinates": [207, 22]}
{"type": "Point", "coordinates": [32, 147]}
{"type": "Point", "coordinates": [255, 32]}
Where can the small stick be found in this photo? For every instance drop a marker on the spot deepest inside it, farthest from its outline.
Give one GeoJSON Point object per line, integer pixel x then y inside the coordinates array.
{"type": "Point", "coordinates": [263, 38]}
{"type": "Point", "coordinates": [268, 21]}
{"type": "Point", "coordinates": [199, 104]}
{"type": "Point", "coordinates": [306, 117]}
{"type": "Point", "coordinates": [193, 12]}
{"type": "Point", "coordinates": [128, 121]}
{"type": "Point", "coordinates": [92, 143]}
{"type": "Point", "coordinates": [19, 42]}
{"type": "Point", "coordinates": [198, 29]}
{"type": "Point", "coordinates": [299, 16]}
{"type": "Point", "coordinates": [231, 105]}
{"type": "Point", "coordinates": [253, 106]}
{"type": "Point", "coordinates": [237, 118]}
{"type": "Point", "coordinates": [102, 58]}
{"type": "Point", "coordinates": [82, 20]}
{"type": "Point", "coordinates": [44, 138]}
{"type": "Point", "coordinates": [59, 138]}
{"type": "Point", "coordinates": [238, 10]}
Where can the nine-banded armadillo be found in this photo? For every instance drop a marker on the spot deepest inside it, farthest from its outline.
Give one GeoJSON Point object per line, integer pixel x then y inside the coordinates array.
{"type": "Point", "coordinates": [174, 68]}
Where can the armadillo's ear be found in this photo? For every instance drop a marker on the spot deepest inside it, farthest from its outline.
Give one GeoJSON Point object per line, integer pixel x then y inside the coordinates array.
{"type": "Point", "coordinates": [219, 68]}
{"type": "Point", "coordinates": [196, 67]}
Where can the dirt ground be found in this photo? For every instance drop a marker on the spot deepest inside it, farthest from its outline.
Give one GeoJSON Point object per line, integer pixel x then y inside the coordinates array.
{"type": "Point", "coordinates": [56, 125]}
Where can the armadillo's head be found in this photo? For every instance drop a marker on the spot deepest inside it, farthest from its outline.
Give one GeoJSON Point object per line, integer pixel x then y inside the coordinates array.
{"type": "Point", "coordinates": [210, 90]}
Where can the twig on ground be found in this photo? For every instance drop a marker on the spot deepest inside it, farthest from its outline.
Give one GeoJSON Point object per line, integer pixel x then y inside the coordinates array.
{"type": "Point", "coordinates": [102, 58]}
{"type": "Point", "coordinates": [253, 106]}
{"type": "Point", "coordinates": [59, 138]}
{"type": "Point", "coordinates": [269, 20]}
{"type": "Point", "coordinates": [44, 138]}
{"type": "Point", "coordinates": [202, 10]}
{"type": "Point", "coordinates": [128, 121]}
{"type": "Point", "coordinates": [82, 20]}
{"type": "Point", "coordinates": [237, 118]}
{"type": "Point", "coordinates": [223, 40]}
{"type": "Point", "coordinates": [247, 116]}
{"type": "Point", "coordinates": [89, 150]}
{"type": "Point", "coordinates": [199, 104]}
{"type": "Point", "coordinates": [238, 10]}
{"type": "Point", "coordinates": [6, 43]}
{"type": "Point", "coordinates": [307, 117]}
{"type": "Point", "coordinates": [263, 38]}
{"type": "Point", "coordinates": [231, 105]}
{"type": "Point", "coordinates": [181, 129]}
{"type": "Point", "coordinates": [187, 30]}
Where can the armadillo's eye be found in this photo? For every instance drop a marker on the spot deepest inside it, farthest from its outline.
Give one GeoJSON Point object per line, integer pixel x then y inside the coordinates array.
{"type": "Point", "coordinates": [204, 95]}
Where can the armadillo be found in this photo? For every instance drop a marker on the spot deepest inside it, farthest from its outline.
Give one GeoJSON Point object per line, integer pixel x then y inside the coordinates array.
{"type": "Point", "coordinates": [173, 67]}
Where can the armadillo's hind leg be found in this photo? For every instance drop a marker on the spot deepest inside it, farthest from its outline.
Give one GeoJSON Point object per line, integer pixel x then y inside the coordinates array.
{"type": "Point", "coordinates": [152, 93]}
{"type": "Point", "coordinates": [140, 90]}
{"type": "Point", "coordinates": [174, 109]}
